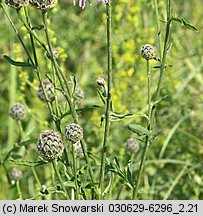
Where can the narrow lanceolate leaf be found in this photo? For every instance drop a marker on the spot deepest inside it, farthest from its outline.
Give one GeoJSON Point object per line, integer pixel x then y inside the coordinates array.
{"type": "Point", "coordinates": [28, 163]}
{"type": "Point", "coordinates": [16, 63]}
{"type": "Point", "coordinates": [184, 23]}
{"type": "Point", "coordinates": [138, 129]}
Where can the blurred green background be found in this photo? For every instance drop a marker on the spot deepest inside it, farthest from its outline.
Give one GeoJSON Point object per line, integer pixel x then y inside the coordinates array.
{"type": "Point", "coordinates": [80, 38]}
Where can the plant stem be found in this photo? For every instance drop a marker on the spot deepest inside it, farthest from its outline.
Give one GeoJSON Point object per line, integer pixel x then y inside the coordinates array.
{"type": "Point", "coordinates": [75, 171]}
{"type": "Point", "coordinates": [158, 27]}
{"type": "Point", "coordinates": [163, 58]}
{"type": "Point", "coordinates": [17, 33]}
{"type": "Point", "coordinates": [65, 89]}
{"type": "Point", "coordinates": [108, 102]}
{"type": "Point", "coordinates": [147, 142]}
{"type": "Point", "coordinates": [54, 162]}
{"type": "Point", "coordinates": [19, 190]}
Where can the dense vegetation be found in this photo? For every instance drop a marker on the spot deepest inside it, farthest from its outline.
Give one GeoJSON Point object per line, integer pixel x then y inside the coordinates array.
{"type": "Point", "coordinates": [174, 162]}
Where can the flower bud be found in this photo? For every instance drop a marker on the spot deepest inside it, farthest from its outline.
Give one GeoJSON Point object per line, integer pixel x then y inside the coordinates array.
{"type": "Point", "coordinates": [43, 5]}
{"type": "Point", "coordinates": [132, 145]}
{"type": "Point", "coordinates": [148, 52]}
{"type": "Point", "coordinates": [15, 174]}
{"type": "Point", "coordinates": [73, 132]}
{"type": "Point", "coordinates": [50, 145]}
{"type": "Point", "coordinates": [17, 111]}
{"type": "Point", "coordinates": [17, 4]}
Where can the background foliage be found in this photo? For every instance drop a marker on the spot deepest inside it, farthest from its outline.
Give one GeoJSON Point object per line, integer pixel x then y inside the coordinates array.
{"type": "Point", "coordinates": [80, 37]}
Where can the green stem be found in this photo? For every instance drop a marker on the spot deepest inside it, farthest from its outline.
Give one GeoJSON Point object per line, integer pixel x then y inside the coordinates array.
{"type": "Point", "coordinates": [75, 171]}
{"type": "Point", "coordinates": [19, 190]}
{"type": "Point", "coordinates": [147, 142]}
{"type": "Point", "coordinates": [54, 163]}
{"type": "Point", "coordinates": [36, 177]}
{"type": "Point", "coordinates": [158, 26]}
{"type": "Point", "coordinates": [108, 102]}
{"type": "Point", "coordinates": [163, 58]}
{"type": "Point", "coordinates": [17, 33]}
{"type": "Point", "coordinates": [20, 131]}
{"type": "Point", "coordinates": [65, 89]}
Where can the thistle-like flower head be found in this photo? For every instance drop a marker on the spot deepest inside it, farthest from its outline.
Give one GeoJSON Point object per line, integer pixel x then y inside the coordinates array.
{"type": "Point", "coordinates": [17, 111]}
{"type": "Point", "coordinates": [132, 145]}
{"type": "Point", "coordinates": [17, 4]}
{"type": "Point", "coordinates": [43, 5]}
{"type": "Point", "coordinates": [148, 52]}
{"type": "Point", "coordinates": [73, 132]}
{"type": "Point", "coordinates": [50, 145]}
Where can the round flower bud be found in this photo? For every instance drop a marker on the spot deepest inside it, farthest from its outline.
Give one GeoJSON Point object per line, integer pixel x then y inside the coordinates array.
{"type": "Point", "coordinates": [17, 111]}
{"type": "Point", "coordinates": [148, 52]}
{"type": "Point", "coordinates": [17, 4]}
{"type": "Point", "coordinates": [43, 5]}
{"type": "Point", "coordinates": [15, 174]}
{"type": "Point", "coordinates": [48, 88]}
{"type": "Point", "coordinates": [101, 82]}
{"type": "Point", "coordinates": [73, 132]}
{"type": "Point", "coordinates": [132, 145]}
{"type": "Point", "coordinates": [50, 145]}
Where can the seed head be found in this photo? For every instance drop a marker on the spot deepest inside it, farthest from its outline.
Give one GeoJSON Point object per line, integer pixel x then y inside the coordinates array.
{"type": "Point", "coordinates": [17, 4]}
{"type": "Point", "coordinates": [132, 145]}
{"type": "Point", "coordinates": [50, 145]}
{"type": "Point", "coordinates": [17, 111]}
{"type": "Point", "coordinates": [43, 5]}
{"type": "Point", "coordinates": [15, 174]}
{"type": "Point", "coordinates": [148, 52]}
{"type": "Point", "coordinates": [73, 132]}
{"type": "Point", "coordinates": [48, 88]}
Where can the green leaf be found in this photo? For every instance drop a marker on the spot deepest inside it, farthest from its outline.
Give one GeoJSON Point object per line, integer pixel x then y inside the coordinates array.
{"type": "Point", "coordinates": [138, 129]}
{"type": "Point", "coordinates": [169, 47]}
{"type": "Point", "coordinates": [28, 163]}
{"type": "Point", "coordinates": [18, 64]}
{"type": "Point", "coordinates": [184, 23]}
{"type": "Point", "coordinates": [121, 116]}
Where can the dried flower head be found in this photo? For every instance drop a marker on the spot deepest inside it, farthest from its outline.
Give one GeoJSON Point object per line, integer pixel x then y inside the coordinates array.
{"type": "Point", "coordinates": [73, 132]}
{"type": "Point", "coordinates": [132, 145]}
{"type": "Point", "coordinates": [43, 5]}
{"type": "Point", "coordinates": [15, 174]}
{"type": "Point", "coordinates": [50, 145]}
{"type": "Point", "coordinates": [17, 111]}
{"type": "Point", "coordinates": [148, 52]}
{"type": "Point", "coordinates": [48, 88]}
{"type": "Point", "coordinates": [17, 4]}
